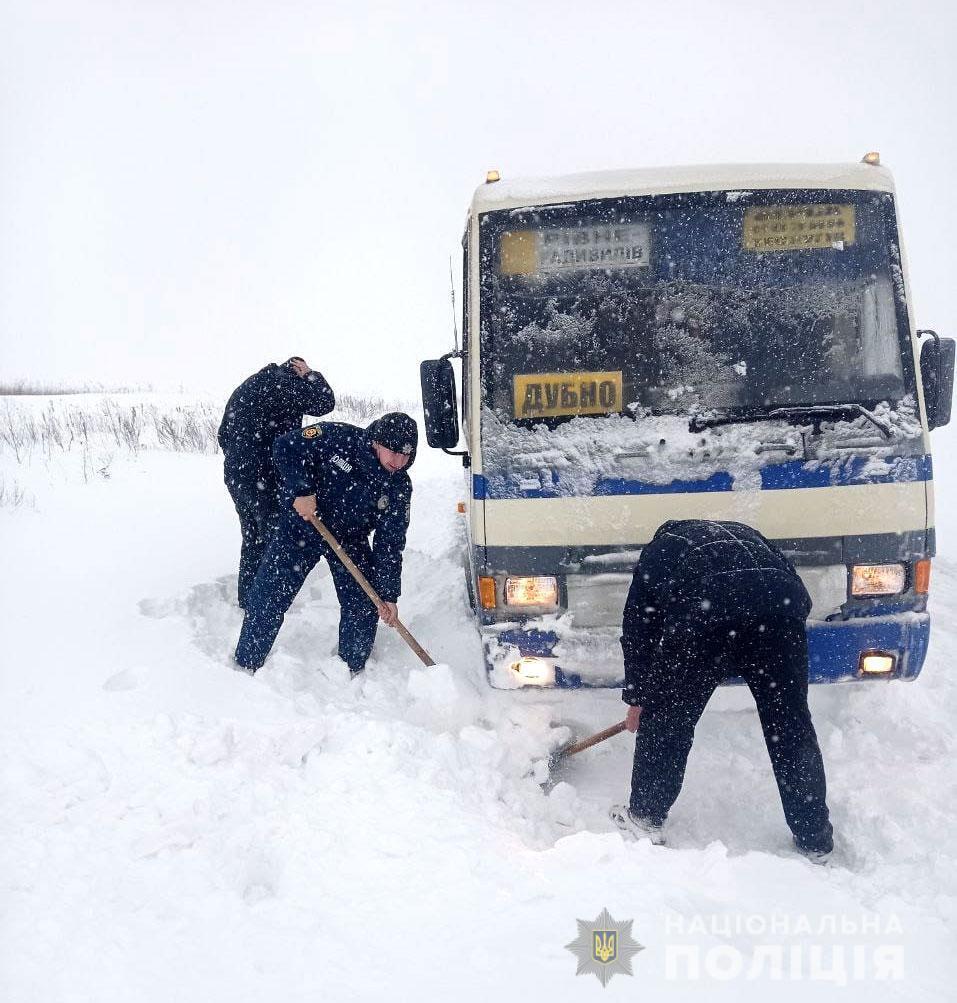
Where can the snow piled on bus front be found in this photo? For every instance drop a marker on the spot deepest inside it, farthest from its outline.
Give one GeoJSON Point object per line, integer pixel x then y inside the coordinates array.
{"type": "Point", "coordinates": [575, 457]}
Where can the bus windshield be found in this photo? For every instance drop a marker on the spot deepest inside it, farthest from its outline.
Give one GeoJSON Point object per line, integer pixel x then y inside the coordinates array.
{"type": "Point", "coordinates": [684, 304]}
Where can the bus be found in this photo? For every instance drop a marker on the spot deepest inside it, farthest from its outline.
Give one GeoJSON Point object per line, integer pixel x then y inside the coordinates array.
{"type": "Point", "coordinates": [726, 342]}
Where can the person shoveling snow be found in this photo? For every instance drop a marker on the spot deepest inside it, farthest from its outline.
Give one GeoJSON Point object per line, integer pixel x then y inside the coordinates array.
{"type": "Point", "coordinates": [709, 600]}
{"type": "Point", "coordinates": [356, 481]}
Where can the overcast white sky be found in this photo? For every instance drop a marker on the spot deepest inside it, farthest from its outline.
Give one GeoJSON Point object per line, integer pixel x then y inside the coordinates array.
{"type": "Point", "coordinates": [191, 189]}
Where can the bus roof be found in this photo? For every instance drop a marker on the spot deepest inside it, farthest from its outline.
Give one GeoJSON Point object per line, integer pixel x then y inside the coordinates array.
{"type": "Point", "coordinates": [524, 192]}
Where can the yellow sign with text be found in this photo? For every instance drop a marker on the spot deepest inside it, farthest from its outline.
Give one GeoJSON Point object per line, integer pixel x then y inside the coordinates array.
{"type": "Point", "coordinates": [798, 227]}
{"type": "Point", "coordinates": [549, 395]}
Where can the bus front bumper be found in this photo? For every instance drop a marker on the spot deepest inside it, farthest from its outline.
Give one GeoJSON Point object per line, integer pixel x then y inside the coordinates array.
{"type": "Point", "coordinates": [877, 647]}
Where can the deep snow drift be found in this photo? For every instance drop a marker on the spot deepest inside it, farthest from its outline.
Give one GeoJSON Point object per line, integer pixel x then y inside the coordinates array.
{"type": "Point", "coordinates": [172, 829]}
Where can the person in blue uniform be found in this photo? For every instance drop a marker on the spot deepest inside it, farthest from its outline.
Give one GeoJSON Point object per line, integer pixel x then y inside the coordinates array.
{"type": "Point", "coordinates": [708, 600]}
{"type": "Point", "coordinates": [357, 481]}
{"type": "Point", "coordinates": [263, 407]}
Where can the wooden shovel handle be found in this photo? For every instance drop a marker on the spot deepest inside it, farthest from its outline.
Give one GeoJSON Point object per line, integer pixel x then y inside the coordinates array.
{"type": "Point", "coordinates": [350, 566]}
{"type": "Point", "coordinates": [601, 736]}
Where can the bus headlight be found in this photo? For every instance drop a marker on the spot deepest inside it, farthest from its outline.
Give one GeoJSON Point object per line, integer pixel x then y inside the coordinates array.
{"type": "Point", "coordinates": [877, 579]}
{"type": "Point", "coordinates": [536, 591]}
{"type": "Point", "coordinates": [877, 663]}
{"type": "Point", "coordinates": [534, 671]}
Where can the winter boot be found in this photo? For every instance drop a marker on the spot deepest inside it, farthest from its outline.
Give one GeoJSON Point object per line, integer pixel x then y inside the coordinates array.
{"type": "Point", "coordinates": [816, 854]}
{"type": "Point", "coordinates": [635, 826]}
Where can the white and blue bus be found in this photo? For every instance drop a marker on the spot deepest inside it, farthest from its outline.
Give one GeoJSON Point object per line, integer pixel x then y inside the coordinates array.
{"type": "Point", "coordinates": [731, 342]}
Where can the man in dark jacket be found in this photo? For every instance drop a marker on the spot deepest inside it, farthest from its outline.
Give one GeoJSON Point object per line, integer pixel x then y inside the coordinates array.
{"type": "Point", "coordinates": [709, 600]}
{"type": "Point", "coordinates": [357, 481]}
{"type": "Point", "coordinates": [267, 405]}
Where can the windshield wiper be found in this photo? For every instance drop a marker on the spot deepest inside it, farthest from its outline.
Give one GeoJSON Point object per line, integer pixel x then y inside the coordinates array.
{"type": "Point", "coordinates": [819, 411]}
{"type": "Point", "coordinates": [698, 423]}
{"type": "Point", "coordinates": [816, 412]}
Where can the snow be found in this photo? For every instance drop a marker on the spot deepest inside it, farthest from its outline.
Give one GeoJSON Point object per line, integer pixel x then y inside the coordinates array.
{"type": "Point", "coordinates": [572, 458]}
{"type": "Point", "coordinates": [172, 829]}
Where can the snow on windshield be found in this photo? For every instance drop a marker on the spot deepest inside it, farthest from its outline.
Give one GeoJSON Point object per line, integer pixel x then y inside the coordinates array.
{"type": "Point", "coordinates": [685, 304]}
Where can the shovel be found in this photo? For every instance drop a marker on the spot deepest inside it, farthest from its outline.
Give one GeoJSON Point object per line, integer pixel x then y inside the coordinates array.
{"type": "Point", "coordinates": [555, 758]}
{"type": "Point", "coordinates": [558, 757]}
{"type": "Point", "coordinates": [350, 566]}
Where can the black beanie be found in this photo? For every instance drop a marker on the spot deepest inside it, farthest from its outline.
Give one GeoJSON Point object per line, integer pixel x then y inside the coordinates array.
{"type": "Point", "coordinates": [396, 431]}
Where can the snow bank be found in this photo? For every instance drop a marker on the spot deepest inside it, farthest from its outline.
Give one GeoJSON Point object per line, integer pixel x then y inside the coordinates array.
{"type": "Point", "coordinates": [170, 828]}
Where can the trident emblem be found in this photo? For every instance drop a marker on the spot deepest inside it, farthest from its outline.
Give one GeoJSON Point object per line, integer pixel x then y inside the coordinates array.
{"type": "Point", "coordinates": [605, 946]}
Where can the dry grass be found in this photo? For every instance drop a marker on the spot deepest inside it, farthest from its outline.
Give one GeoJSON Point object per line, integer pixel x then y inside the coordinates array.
{"type": "Point", "coordinates": [83, 436]}
{"type": "Point", "coordinates": [62, 428]}
{"type": "Point", "coordinates": [32, 388]}
{"type": "Point", "coordinates": [13, 496]}
{"type": "Point", "coordinates": [360, 410]}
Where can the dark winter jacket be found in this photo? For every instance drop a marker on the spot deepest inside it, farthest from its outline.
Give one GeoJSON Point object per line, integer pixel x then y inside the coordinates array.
{"type": "Point", "coordinates": [696, 577]}
{"type": "Point", "coordinates": [355, 494]}
{"type": "Point", "coordinates": [267, 405]}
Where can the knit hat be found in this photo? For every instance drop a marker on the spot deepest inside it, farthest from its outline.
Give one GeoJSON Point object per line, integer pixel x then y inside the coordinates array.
{"type": "Point", "coordinates": [396, 431]}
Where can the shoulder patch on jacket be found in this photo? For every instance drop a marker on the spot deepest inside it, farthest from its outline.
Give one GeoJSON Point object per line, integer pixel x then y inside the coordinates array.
{"type": "Point", "coordinates": [312, 432]}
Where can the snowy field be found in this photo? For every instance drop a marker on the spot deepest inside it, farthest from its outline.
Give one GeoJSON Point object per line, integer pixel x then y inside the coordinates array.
{"type": "Point", "coordinates": [175, 830]}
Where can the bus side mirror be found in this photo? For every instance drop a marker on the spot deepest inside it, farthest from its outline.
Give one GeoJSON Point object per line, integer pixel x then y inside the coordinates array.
{"type": "Point", "coordinates": [438, 403]}
{"type": "Point", "coordinates": [937, 376]}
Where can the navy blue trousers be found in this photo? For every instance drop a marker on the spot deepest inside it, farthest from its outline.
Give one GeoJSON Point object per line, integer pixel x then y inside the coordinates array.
{"type": "Point", "coordinates": [292, 552]}
{"type": "Point", "coordinates": [256, 508]}
{"type": "Point", "coordinates": [773, 662]}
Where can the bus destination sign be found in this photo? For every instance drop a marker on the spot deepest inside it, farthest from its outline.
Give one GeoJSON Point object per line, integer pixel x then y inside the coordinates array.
{"type": "Point", "coordinates": [550, 395]}
{"type": "Point", "coordinates": [581, 248]}
{"type": "Point", "coordinates": [798, 227]}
